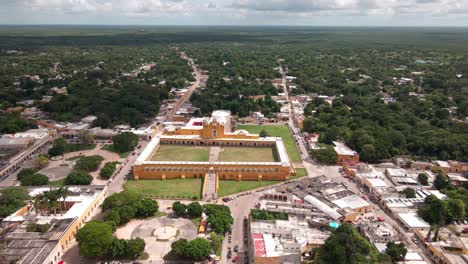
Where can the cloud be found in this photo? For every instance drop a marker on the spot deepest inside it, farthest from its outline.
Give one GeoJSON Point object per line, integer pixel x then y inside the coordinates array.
{"type": "Point", "coordinates": [211, 5]}
{"type": "Point", "coordinates": [236, 11]}
{"type": "Point", "coordinates": [337, 7]}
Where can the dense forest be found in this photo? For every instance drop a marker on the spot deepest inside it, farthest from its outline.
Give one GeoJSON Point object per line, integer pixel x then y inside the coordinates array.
{"type": "Point", "coordinates": [102, 81]}
{"type": "Point", "coordinates": [424, 71]}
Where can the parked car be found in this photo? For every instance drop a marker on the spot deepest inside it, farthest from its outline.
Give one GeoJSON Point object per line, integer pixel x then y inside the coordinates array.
{"type": "Point", "coordinates": [234, 259]}
{"type": "Point", "coordinates": [229, 254]}
{"type": "Point", "coordinates": [236, 248]}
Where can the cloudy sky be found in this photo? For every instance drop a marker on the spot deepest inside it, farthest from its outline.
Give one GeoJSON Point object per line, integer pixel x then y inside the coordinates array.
{"type": "Point", "coordinates": [237, 12]}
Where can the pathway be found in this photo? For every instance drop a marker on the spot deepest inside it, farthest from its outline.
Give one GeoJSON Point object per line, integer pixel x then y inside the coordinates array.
{"type": "Point", "coordinates": [210, 186]}
{"type": "Point", "coordinates": [214, 153]}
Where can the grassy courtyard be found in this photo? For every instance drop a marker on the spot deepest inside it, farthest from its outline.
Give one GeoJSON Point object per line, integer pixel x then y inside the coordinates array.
{"type": "Point", "coordinates": [245, 154]}
{"type": "Point", "coordinates": [232, 187]}
{"type": "Point", "coordinates": [181, 153]}
{"type": "Point", "coordinates": [300, 172]}
{"type": "Point", "coordinates": [177, 188]}
{"type": "Point", "coordinates": [277, 131]}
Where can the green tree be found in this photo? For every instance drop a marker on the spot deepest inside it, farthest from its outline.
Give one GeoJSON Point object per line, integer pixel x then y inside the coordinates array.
{"type": "Point", "coordinates": [41, 162]}
{"type": "Point", "coordinates": [397, 252]}
{"type": "Point", "coordinates": [118, 248]}
{"type": "Point", "coordinates": [179, 208]}
{"type": "Point", "coordinates": [347, 246]}
{"type": "Point", "coordinates": [125, 142]}
{"type": "Point", "coordinates": [441, 182]}
{"type": "Point", "coordinates": [198, 249]}
{"type": "Point", "coordinates": [11, 199]}
{"type": "Point", "coordinates": [94, 239]}
{"type": "Point", "coordinates": [423, 179]}
{"type": "Point", "coordinates": [108, 169]}
{"type": "Point", "coordinates": [25, 172]}
{"type": "Point", "coordinates": [194, 209]}
{"type": "Point", "coordinates": [58, 147]}
{"type": "Point", "coordinates": [434, 212]}
{"type": "Point", "coordinates": [34, 180]}
{"type": "Point", "coordinates": [113, 216]}
{"type": "Point", "coordinates": [126, 213]}
{"type": "Point", "coordinates": [135, 247]}
{"type": "Point", "coordinates": [219, 216]}
{"type": "Point", "coordinates": [146, 207]}
{"type": "Point", "coordinates": [258, 214]}
{"type": "Point", "coordinates": [78, 178]}
{"type": "Point", "coordinates": [326, 155]}
{"type": "Point", "coordinates": [409, 192]}
{"type": "Point", "coordinates": [178, 248]}
{"type": "Point", "coordinates": [88, 163]}
{"type": "Point", "coordinates": [264, 133]}
{"type": "Point", "coordinates": [217, 241]}
{"type": "Point", "coordinates": [455, 209]}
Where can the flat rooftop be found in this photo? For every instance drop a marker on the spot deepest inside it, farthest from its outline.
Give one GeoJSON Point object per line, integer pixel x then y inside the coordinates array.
{"type": "Point", "coordinates": [342, 149]}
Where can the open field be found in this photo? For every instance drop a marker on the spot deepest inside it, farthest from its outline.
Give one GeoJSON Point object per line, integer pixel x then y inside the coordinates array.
{"type": "Point", "coordinates": [247, 154]}
{"type": "Point", "coordinates": [231, 187]}
{"type": "Point", "coordinates": [177, 188]}
{"type": "Point", "coordinates": [300, 172]}
{"type": "Point", "coordinates": [277, 131]}
{"type": "Point", "coordinates": [181, 153]}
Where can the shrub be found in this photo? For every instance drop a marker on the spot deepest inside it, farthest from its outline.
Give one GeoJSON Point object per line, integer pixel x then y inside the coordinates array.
{"type": "Point", "coordinates": [267, 215]}
{"type": "Point", "coordinates": [88, 163]}
{"type": "Point", "coordinates": [121, 207]}
{"type": "Point", "coordinates": [179, 208]}
{"type": "Point", "coordinates": [108, 169]}
{"type": "Point", "coordinates": [194, 209]}
{"type": "Point", "coordinates": [41, 228]}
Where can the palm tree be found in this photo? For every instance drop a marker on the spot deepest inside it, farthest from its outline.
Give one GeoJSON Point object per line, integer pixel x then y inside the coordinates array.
{"type": "Point", "coordinates": [37, 201]}
{"type": "Point", "coordinates": [62, 193]}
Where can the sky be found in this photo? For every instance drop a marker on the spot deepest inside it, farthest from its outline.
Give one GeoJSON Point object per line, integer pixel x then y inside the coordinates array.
{"type": "Point", "coordinates": [237, 12]}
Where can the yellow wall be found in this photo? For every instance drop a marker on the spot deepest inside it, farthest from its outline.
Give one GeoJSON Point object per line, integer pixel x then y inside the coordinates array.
{"type": "Point", "coordinates": [69, 236]}
{"type": "Point", "coordinates": [224, 172]}
{"type": "Point", "coordinates": [211, 131]}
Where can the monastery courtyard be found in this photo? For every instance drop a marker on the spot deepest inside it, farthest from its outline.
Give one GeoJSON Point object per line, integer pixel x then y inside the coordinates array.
{"type": "Point", "coordinates": [207, 158]}
{"type": "Point", "coordinates": [167, 152]}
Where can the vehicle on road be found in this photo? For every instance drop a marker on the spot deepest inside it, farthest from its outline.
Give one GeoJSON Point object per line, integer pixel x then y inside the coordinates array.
{"type": "Point", "coordinates": [234, 259]}
{"type": "Point", "coordinates": [236, 248]}
{"type": "Point", "coordinates": [229, 254]}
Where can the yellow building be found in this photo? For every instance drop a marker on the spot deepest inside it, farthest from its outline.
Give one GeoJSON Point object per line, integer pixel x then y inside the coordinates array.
{"type": "Point", "coordinates": [18, 245]}
{"type": "Point", "coordinates": [213, 131]}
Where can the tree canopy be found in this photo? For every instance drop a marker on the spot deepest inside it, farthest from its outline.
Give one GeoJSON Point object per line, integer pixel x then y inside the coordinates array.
{"type": "Point", "coordinates": [78, 178]}
{"type": "Point", "coordinates": [347, 246]}
{"type": "Point", "coordinates": [219, 216]}
{"type": "Point", "coordinates": [11, 199]}
{"type": "Point", "coordinates": [125, 142]}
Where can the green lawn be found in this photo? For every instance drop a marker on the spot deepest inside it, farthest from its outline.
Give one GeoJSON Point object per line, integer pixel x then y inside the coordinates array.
{"type": "Point", "coordinates": [71, 147]}
{"type": "Point", "coordinates": [181, 153]}
{"type": "Point", "coordinates": [277, 131]}
{"type": "Point", "coordinates": [240, 154]}
{"type": "Point", "coordinates": [300, 172]}
{"type": "Point", "coordinates": [177, 188]}
{"type": "Point", "coordinates": [231, 187]}
{"type": "Point", "coordinates": [110, 147]}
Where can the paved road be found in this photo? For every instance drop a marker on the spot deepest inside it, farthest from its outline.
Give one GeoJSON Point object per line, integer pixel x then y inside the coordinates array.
{"type": "Point", "coordinates": [240, 208]}
{"type": "Point", "coordinates": [125, 172]}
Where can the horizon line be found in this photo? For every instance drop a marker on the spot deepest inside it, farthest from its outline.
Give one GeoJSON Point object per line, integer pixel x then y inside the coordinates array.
{"type": "Point", "coordinates": [233, 25]}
